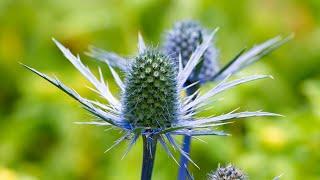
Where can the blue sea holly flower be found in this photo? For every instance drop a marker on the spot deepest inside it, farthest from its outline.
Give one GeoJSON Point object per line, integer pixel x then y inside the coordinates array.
{"type": "Point", "coordinates": [151, 103]}
{"type": "Point", "coordinates": [229, 172]}
{"type": "Point", "coordinates": [183, 40]}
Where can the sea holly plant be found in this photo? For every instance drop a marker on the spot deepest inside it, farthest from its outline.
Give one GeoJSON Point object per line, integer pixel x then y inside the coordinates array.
{"type": "Point", "coordinates": [151, 103]}
{"type": "Point", "coordinates": [180, 45]}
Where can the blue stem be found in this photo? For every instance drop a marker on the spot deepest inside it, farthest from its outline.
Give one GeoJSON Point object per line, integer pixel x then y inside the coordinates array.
{"type": "Point", "coordinates": [183, 174]}
{"type": "Point", "coordinates": [186, 146]}
{"type": "Point", "coordinates": [149, 152]}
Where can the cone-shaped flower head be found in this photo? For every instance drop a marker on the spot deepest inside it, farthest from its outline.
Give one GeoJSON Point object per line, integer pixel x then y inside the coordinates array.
{"type": "Point", "coordinates": [151, 104]}
{"type": "Point", "coordinates": [227, 173]}
{"type": "Point", "coordinates": [183, 40]}
{"type": "Point", "coordinates": [150, 97]}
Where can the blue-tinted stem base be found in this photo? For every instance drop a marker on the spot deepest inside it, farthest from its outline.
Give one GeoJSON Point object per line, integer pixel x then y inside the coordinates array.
{"type": "Point", "coordinates": [149, 152]}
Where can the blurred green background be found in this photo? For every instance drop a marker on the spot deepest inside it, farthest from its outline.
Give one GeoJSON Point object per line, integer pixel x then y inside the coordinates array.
{"type": "Point", "coordinates": [38, 139]}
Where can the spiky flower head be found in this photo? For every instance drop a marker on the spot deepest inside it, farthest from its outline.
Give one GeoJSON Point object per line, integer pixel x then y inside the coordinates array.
{"type": "Point", "coordinates": [151, 104]}
{"type": "Point", "coordinates": [183, 40]}
{"type": "Point", "coordinates": [229, 172]}
{"type": "Point", "coordinates": [150, 95]}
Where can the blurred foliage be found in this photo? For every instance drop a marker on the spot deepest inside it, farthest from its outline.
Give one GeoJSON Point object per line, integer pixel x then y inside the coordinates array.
{"type": "Point", "coordinates": [38, 139]}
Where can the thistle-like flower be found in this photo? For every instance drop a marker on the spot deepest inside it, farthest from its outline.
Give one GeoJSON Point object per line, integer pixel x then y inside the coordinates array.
{"type": "Point", "coordinates": [183, 40]}
{"type": "Point", "coordinates": [229, 172]}
{"type": "Point", "coordinates": [151, 104]}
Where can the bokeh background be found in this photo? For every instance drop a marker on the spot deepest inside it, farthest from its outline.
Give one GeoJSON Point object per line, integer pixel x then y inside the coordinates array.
{"type": "Point", "coordinates": [38, 137]}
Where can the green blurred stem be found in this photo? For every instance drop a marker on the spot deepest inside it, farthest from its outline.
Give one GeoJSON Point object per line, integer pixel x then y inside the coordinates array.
{"type": "Point", "coordinates": [149, 152]}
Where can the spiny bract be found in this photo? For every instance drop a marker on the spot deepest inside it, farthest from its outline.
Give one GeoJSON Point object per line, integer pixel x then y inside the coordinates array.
{"type": "Point", "coordinates": [183, 40]}
{"type": "Point", "coordinates": [227, 173]}
{"type": "Point", "coordinates": [150, 94]}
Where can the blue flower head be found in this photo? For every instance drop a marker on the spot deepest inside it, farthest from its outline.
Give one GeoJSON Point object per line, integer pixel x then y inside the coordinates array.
{"type": "Point", "coordinates": [151, 102]}
{"type": "Point", "coordinates": [183, 40]}
{"type": "Point", "coordinates": [229, 172]}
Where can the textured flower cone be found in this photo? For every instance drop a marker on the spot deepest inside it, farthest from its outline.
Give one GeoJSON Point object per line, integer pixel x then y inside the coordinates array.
{"type": "Point", "coordinates": [227, 173]}
{"type": "Point", "coordinates": [150, 95]}
{"type": "Point", "coordinates": [183, 39]}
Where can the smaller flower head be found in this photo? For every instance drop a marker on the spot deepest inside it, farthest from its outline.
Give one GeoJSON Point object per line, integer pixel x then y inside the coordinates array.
{"type": "Point", "coordinates": [229, 172]}
{"type": "Point", "coordinates": [183, 40]}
